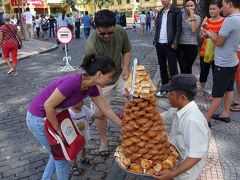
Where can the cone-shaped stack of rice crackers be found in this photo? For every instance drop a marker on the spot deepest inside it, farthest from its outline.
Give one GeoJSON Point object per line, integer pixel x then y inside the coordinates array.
{"type": "Point", "coordinates": [144, 145]}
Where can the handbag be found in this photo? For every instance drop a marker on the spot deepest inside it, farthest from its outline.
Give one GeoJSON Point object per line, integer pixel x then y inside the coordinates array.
{"type": "Point", "coordinates": [209, 51]}
{"type": "Point", "coordinates": [19, 42]}
{"type": "Point", "coordinates": [45, 26]}
{"type": "Point", "coordinates": [73, 142]}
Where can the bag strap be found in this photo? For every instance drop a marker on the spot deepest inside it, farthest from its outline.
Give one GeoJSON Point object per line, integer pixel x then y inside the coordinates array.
{"type": "Point", "coordinates": [13, 34]}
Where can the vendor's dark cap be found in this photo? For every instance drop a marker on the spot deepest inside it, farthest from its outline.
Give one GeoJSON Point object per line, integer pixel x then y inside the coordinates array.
{"type": "Point", "coordinates": [185, 82]}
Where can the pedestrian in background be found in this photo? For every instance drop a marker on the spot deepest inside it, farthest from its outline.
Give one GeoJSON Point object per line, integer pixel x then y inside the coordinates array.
{"type": "Point", "coordinates": [110, 40]}
{"type": "Point", "coordinates": [148, 22]}
{"type": "Point", "coordinates": [123, 20]}
{"type": "Point", "coordinates": [9, 41]}
{"type": "Point", "coordinates": [187, 49]}
{"type": "Point", "coordinates": [44, 27]}
{"type": "Point", "coordinates": [38, 26]}
{"type": "Point", "coordinates": [225, 60]}
{"type": "Point", "coordinates": [63, 93]}
{"type": "Point", "coordinates": [29, 23]}
{"type": "Point", "coordinates": [77, 22]}
{"type": "Point", "coordinates": [214, 24]}
{"type": "Point", "coordinates": [52, 21]}
{"type": "Point", "coordinates": [118, 15]}
{"type": "Point", "coordinates": [143, 21]}
{"type": "Point", "coordinates": [87, 21]}
{"type": "Point", "coordinates": [168, 30]}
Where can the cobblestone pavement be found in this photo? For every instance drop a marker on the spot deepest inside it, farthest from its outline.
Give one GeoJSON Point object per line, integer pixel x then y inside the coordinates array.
{"type": "Point", "coordinates": [22, 157]}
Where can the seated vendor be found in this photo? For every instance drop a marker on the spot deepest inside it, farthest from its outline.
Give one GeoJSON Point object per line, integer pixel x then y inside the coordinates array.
{"type": "Point", "coordinates": [187, 128]}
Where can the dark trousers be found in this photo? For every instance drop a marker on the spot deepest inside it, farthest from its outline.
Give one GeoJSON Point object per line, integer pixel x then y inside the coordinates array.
{"type": "Point", "coordinates": [38, 31]}
{"type": "Point", "coordinates": [86, 32]}
{"type": "Point", "coordinates": [204, 70]}
{"type": "Point", "coordinates": [166, 54]}
{"type": "Point", "coordinates": [186, 55]}
{"type": "Point", "coordinates": [51, 31]}
{"type": "Point", "coordinates": [77, 29]}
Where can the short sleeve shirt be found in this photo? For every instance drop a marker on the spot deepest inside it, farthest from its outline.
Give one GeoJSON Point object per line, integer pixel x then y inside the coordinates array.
{"type": "Point", "coordinates": [187, 36]}
{"type": "Point", "coordinates": [84, 116]}
{"type": "Point", "coordinates": [226, 55]}
{"type": "Point", "coordinates": [189, 133]}
{"type": "Point", "coordinates": [69, 86]}
{"type": "Point", "coordinates": [114, 48]}
{"type": "Point", "coordinates": [28, 15]}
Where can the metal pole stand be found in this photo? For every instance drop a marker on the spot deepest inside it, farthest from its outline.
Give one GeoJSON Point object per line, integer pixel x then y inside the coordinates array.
{"type": "Point", "coordinates": [67, 67]}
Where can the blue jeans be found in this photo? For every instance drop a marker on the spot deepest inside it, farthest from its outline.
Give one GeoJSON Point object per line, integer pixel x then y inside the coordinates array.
{"type": "Point", "coordinates": [36, 126]}
{"type": "Point", "coordinates": [86, 32]}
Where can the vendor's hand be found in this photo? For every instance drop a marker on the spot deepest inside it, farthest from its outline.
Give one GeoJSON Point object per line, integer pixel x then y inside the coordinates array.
{"type": "Point", "coordinates": [164, 175]}
{"type": "Point", "coordinates": [125, 74]}
{"type": "Point", "coordinates": [204, 23]}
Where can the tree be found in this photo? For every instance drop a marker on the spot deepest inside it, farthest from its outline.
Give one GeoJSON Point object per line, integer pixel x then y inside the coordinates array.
{"type": "Point", "coordinates": [71, 3]}
{"type": "Point", "coordinates": [98, 3]}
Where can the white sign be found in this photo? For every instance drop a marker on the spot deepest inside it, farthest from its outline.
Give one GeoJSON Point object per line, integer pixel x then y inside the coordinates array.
{"type": "Point", "coordinates": [64, 35]}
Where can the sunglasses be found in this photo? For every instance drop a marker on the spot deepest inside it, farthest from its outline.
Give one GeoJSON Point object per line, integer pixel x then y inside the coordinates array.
{"type": "Point", "coordinates": [105, 33]}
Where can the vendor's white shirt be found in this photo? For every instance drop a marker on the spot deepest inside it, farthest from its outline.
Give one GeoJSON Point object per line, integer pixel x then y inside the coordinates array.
{"type": "Point", "coordinates": [163, 30]}
{"type": "Point", "coordinates": [84, 116]}
{"type": "Point", "coordinates": [189, 132]}
{"type": "Point", "coordinates": [28, 15]}
{"type": "Point", "coordinates": [38, 23]}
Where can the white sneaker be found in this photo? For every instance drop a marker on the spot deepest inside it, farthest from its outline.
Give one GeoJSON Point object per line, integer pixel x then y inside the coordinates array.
{"type": "Point", "coordinates": [161, 94]}
{"type": "Point", "coordinates": [10, 71]}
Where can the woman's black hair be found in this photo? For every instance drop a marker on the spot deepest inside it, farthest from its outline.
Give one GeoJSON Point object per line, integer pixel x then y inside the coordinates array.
{"type": "Point", "coordinates": [190, 0]}
{"type": "Point", "coordinates": [92, 64]}
{"type": "Point", "coordinates": [218, 3]}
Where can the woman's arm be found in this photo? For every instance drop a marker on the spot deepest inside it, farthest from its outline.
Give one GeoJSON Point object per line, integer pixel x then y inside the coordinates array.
{"type": "Point", "coordinates": [50, 105]}
{"type": "Point", "coordinates": [105, 109]}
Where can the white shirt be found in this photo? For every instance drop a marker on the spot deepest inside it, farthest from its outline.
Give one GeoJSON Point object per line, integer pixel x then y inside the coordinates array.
{"type": "Point", "coordinates": [84, 116]}
{"type": "Point", "coordinates": [142, 18]}
{"type": "Point", "coordinates": [28, 16]}
{"type": "Point", "coordinates": [38, 23]}
{"type": "Point", "coordinates": [190, 134]}
{"type": "Point", "coordinates": [163, 31]}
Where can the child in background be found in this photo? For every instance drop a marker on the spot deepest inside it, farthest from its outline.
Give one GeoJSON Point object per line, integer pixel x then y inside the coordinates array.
{"type": "Point", "coordinates": [81, 115]}
{"type": "Point", "coordinates": [134, 25]}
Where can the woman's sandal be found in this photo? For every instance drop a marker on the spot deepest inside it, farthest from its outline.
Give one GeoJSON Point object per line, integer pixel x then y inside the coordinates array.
{"type": "Point", "coordinates": [103, 150]}
{"type": "Point", "coordinates": [86, 161]}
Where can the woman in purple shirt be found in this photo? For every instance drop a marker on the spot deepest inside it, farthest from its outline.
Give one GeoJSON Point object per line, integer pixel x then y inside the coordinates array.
{"type": "Point", "coordinates": [64, 92]}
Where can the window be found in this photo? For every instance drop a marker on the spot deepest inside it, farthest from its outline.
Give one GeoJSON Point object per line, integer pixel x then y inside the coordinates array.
{"type": "Point", "coordinates": [128, 1]}
{"type": "Point", "coordinates": [112, 2]}
{"type": "Point", "coordinates": [137, 0]}
{"type": "Point", "coordinates": [119, 1]}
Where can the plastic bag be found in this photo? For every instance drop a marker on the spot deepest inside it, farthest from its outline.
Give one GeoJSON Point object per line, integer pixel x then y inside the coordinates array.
{"type": "Point", "coordinates": [209, 51]}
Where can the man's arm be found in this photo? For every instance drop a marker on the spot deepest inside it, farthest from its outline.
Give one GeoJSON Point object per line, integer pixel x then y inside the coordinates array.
{"type": "Point", "coordinates": [187, 164]}
{"type": "Point", "coordinates": [217, 39]}
{"type": "Point", "coordinates": [126, 58]}
{"type": "Point", "coordinates": [178, 28]}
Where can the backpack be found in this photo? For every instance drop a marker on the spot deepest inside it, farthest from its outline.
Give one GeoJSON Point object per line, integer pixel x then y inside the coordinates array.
{"type": "Point", "coordinates": [45, 26]}
{"type": "Point", "coordinates": [149, 18]}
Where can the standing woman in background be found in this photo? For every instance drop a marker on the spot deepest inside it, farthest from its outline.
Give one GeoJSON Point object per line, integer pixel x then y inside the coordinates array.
{"type": "Point", "coordinates": [9, 40]}
{"type": "Point", "coordinates": [214, 24]}
{"type": "Point", "coordinates": [188, 45]}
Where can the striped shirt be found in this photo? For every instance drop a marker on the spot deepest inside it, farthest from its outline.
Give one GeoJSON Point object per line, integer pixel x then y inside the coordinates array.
{"type": "Point", "coordinates": [215, 27]}
{"type": "Point", "coordinates": [9, 34]}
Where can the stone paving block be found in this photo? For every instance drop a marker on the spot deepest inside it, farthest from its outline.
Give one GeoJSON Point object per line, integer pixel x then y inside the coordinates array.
{"type": "Point", "coordinates": [102, 167]}
{"type": "Point", "coordinates": [36, 164]}
{"type": "Point", "coordinates": [94, 174]}
{"type": "Point", "coordinates": [14, 164]}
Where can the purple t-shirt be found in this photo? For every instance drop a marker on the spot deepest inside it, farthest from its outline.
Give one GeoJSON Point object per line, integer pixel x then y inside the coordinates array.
{"type": "Point", "coordinates": [69, 86]}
